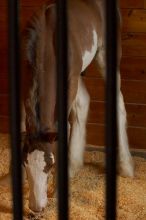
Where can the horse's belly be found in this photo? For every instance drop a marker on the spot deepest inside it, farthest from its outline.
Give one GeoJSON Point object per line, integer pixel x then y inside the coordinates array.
{"type": "Point", "coordinates": [88, 55]}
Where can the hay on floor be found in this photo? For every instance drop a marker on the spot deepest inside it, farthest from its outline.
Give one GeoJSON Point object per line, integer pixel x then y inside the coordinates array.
{"type": "Point", "coordinates": [87, 191]}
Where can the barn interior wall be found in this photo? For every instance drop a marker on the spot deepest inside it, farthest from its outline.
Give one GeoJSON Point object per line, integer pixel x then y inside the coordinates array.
{"type": "Point", "coordinates": [133, 73]}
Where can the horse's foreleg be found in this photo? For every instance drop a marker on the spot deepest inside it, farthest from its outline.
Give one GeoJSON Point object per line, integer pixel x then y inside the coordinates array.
{"type": "Point", "coordinates": [78, 129]}
{"type": "Point", "coordinates": [125, 159]}
{"type": "Point", "coordinates": [126, 167]}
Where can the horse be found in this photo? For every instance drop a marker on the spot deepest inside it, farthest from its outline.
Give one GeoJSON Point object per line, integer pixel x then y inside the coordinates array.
{"type": "Point", "coordinates": [86, 31]}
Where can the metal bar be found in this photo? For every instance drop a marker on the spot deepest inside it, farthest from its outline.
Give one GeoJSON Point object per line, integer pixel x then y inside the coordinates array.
{"type": "Point", "coordinates": [111, 108]}
{"type": "Point", "coordinates": [14, 73]}
{"type": "Point", "coordinates": [62, 78]}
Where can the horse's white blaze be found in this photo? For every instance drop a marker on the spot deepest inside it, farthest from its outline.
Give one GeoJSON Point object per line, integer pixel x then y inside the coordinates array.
{"type": "Point", "coordinates": [89, 55]}
{"type": "Point", "coordinates": [37, 179]}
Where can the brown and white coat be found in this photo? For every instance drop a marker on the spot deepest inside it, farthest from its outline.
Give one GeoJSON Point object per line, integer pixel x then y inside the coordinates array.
{"type": "Point", "coordinates": [86, 42]}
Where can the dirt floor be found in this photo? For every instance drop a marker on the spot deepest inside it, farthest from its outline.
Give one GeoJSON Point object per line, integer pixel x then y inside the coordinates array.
{"type": "Point", "coordinates": [86, 193]}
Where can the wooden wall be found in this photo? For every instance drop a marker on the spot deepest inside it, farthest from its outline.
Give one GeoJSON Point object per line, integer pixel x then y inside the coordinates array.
{"type": "Point", "coordinates": [133, 73]}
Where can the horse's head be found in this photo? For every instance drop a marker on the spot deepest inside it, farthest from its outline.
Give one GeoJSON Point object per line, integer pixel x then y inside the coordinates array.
{"type": "Point", "coordinates": [38, 160]}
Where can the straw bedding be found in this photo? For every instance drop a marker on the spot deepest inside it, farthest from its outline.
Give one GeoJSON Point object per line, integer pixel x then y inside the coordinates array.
{"type": "Point", "coordinates": [86, 191]}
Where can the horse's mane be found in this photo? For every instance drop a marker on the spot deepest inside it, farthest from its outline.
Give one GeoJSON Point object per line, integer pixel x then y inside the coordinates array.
{"type": "Point", "coordinates": [33, 34]}
{"type": "Point", "coordinates": [33, 46]}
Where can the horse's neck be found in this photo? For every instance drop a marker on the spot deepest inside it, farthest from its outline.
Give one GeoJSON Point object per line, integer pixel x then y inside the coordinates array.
{"type": "Point", "coordinates": [48, 87]}
{"type": "Point", "coordinates": [48, 101]}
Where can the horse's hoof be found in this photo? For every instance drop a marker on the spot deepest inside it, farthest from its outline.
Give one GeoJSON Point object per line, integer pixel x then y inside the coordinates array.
{"type": "Point", "coordinates": [126, 168]}
{"type": "Point", "coordinates": [73, 171]}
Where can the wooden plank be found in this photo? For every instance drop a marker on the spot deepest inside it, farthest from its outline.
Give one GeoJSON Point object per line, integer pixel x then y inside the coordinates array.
{"type": "Point", "coordinates": [131, 3]}
{"type": "Point", "coordinates": [145, 4]}
{"type": "Point", "coordinates": [4, 105]}
{"type": "Point", "coordinates": [4, 63]}
{"type": "Point", "coordinates": [95, 88]}
{"type": "Point", "coordinates": [4, 124]}
{"type": "Point", "coordinates": [93, 70]}
{"type": "Point", "coordinates": [134, 20]}
{"type": "Point", "coordinates": [25, 3]}
{"type": "Point", "coordinates": [3, 17]}
{"type": "Point", "coordinates": [134, 44]}
{"type": "Point", "coordinates": [95, 134]}
{"type": "Point", "coordinates": [123, 3]}
{"type": "Point", "coordinates": [133, 91]}
{"type": "Point", "coordinates": [4, 43]}
{"type": "Point", "coordinates": [4, 86]}
{"type": "Point", "coordinates": [137, 136]}
{"type": "Point", "coordinates": [32, 3]}
{"type": "Point", "coordinates": [3, 29]}
{"type": "Point", "coordinates": [132, 68]}
{"type": "Point", "coordinates": [135, 114]}
{"type": "Point", "coordinates": [96, 112]}
{"type": "Point", "coordinates": [38, 3]}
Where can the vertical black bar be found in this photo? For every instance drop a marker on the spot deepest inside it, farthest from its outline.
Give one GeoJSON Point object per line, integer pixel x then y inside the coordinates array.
{"type": "Point", "coordinates": [111, 107]}
{"type": "Point", "coordinates": [14, 73]}
{"type": "Point", "coordinates": [62, 78]}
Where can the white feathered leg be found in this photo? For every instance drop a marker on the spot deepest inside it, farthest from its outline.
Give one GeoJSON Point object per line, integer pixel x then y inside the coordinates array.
{"type": "Point", "coordinates": [78, 130]}
{"type": "Point", "coordinates": [126, 167]}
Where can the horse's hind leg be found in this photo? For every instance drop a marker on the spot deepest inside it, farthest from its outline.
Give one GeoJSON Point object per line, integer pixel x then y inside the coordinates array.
{"type": "Point", "coordinates": [126, 167]}
{"type": "Point", "coordinates": [78, 129]}
{"type": "Point", "coordinates": [125, 159]}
